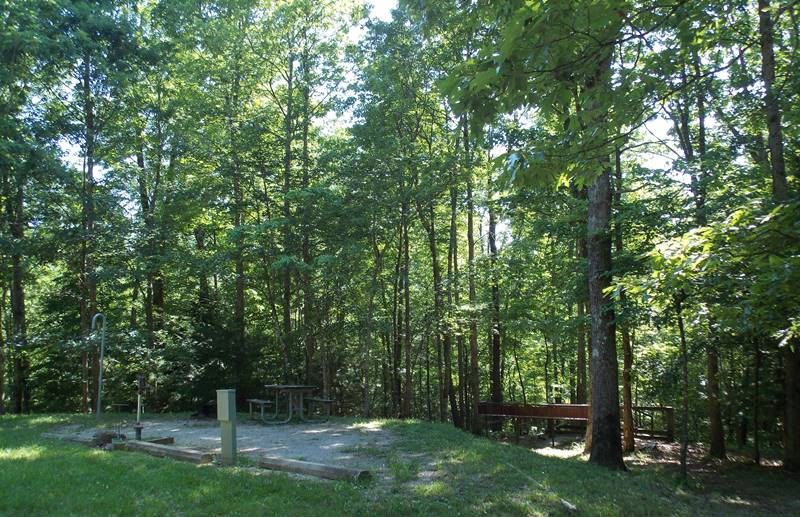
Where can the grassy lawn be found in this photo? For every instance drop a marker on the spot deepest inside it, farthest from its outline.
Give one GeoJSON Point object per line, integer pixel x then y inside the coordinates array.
{"type": "Point", "coordinates": [434, 469]}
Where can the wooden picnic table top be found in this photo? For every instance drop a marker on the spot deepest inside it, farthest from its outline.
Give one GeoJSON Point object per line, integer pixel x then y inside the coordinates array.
{"type": "Point", "coordinates": [290, 387]}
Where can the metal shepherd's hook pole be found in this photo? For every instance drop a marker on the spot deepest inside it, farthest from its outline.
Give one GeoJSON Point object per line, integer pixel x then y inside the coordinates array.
{"type": "Point", "coordinates": [102, 353]}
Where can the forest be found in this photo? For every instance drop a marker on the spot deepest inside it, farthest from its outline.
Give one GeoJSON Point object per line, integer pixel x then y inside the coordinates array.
{"type": "Point", "coordinates": [528, 201]}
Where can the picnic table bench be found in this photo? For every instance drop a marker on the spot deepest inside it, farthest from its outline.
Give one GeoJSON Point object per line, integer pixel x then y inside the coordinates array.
{"type": "Point", "coordinates": [261, 403]}
{"type": "Point", "coordinates": [326, 403]}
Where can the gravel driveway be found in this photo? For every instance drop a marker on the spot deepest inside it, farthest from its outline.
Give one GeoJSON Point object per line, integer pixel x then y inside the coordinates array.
{"type": "Point", "coordinates": [346, 444]}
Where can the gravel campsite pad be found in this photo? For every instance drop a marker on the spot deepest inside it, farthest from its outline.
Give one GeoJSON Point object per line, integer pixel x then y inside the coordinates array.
{"type": "Point", "coordinates": [357, 445]}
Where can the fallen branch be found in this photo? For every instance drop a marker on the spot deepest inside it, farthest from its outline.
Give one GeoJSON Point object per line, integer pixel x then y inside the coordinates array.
{"type": "Point", "coordinates": [166, 451]}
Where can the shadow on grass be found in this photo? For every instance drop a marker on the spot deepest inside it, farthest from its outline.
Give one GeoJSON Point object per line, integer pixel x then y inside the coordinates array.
{"type": "Point", "coordinates": [488, 477]}
{"type": "Point", "coordinates": [441, 471]}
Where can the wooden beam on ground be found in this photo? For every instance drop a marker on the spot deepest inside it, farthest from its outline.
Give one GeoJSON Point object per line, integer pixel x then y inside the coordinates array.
{"type": "Point", "coordinates": [167, 440]}
{"type": "Point", "coordinates": [313, 469]}
{"type": "Point", "coordinates": [166, 451]}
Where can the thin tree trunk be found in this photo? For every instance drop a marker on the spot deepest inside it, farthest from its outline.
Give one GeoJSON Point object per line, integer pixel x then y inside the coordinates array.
{"type": "Point", "coordinates": [397, 327]}
{"type": "Point", "coordinates": [519, 373]}
{"type": "Point", "coordinates": [474, 379]}
{"type": "Point", "coordinates": [88, 280]}
{"type": "Point", "coordinates": [495, 374]}
{"type": "Point", "coordinates": [19, 340]}
{"type": "Point", "coordinates": [287, 231]}
{"type": "Point", "coordinates": [454, 297]}
{"type": "Point", "coordinates": [629, 444]}
{"type": "Point", "coordinates": [309, 309]}
{"type": "Point", "coordinates": [407, 317]}
{"type": "Point", "coordinates": [780, 188]}
{"type": "Point", "coordinates": [685, 379]}
{"type": "Point", "coordinates": [442, 338]}
{"type": "Point", "coordinates": [756, 401]}
{"type": "Point", "coordinates": [238, 213]}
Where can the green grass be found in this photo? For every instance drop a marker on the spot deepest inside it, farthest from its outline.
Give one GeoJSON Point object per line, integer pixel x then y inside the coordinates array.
{"type": "Point", "coordinates": [472, 476]}
{"type": "Point", "coordinates": [403, 469]}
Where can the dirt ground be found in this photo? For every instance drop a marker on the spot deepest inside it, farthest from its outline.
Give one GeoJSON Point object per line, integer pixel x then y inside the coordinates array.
{"type": "Point", "coordinates": [732, 485]}
{"type": "Point", "coordinates": [330, 443]}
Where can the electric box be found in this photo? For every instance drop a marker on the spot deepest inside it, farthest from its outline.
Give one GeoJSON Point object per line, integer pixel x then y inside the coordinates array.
{"type": "Point", "coordinates": [226, 405]}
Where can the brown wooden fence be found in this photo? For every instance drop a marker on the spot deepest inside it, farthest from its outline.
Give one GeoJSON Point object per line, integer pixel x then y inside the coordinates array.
{"type": "Point", "coordinates": [648, 421]}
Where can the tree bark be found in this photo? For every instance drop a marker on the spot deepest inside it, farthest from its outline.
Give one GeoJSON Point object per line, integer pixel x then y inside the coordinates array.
{"type": "Point", "coordinates": [780, 188]}
{"type": "Point", "coordinates": [780, 194]}
{"type": "Point", "coordinates": [606, 444]}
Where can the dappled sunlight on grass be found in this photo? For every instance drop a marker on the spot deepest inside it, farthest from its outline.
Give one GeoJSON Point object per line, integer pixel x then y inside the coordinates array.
{"type": "Point", "coordinates": [371, 425]}
{"type": "Point", "coordinates": [433, 489]}
{"type": "Point", "coordinates": [29, 452]}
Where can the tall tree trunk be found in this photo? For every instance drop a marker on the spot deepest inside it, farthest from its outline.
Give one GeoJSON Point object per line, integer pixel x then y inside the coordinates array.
{"type": "Point", "coordinates": [233, 108]}
{"type": "Point", "coordinates": [717, 433]}
{"type": "Point", "coordinates": [756, 400]}
{"type": "Point", "coordinates": [780, 194]}
{"type": "Point", "coordinates": [495, 375]}
{"type": "Point", "coordinates": [407, 383]}
{"type": "Point", "coordinates": [780, 188]}
{"type": "Point", "coordinates": [581, 253]}
{"type": "Point", "coordinates": [453, 300]}
{"type": "Point", "coordinates": [19, 335]}
{"type": "Point", "coordinates": [397, 324]}
{"type": "Point", "coordinates": [606, 444]}
{"type": "Point", "coordinates": [309, 309]}
{"type": "Point", "coordinates": [287, 232]}
{"type": "Point", "coordinates": [628, 442]}
{"type": "Point", "coordinates": [474, 379]}
{"type": "Point", "coordinates": [368, 342]}
{"type": "Point", "coordinates": [685, 380]}
{"type": "Point", "coordinates": [88, 280]}
{"type": "Point", "coordinates": [443, 336]}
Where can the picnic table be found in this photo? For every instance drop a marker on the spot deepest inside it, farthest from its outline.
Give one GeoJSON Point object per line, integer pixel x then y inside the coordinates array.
{"type": "Point", "coordinates": [295, 393]}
